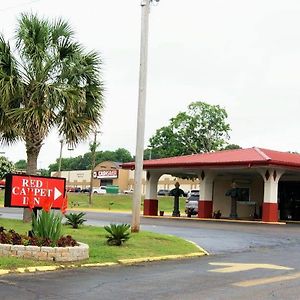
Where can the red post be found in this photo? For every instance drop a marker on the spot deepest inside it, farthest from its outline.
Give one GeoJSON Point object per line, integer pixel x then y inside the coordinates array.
{"type": "Point", "coordinates": [270, 212]}
{"type": "Point", "coordinates": [150, 207]}
{"type": "Point", "coordinates": [205, 208]}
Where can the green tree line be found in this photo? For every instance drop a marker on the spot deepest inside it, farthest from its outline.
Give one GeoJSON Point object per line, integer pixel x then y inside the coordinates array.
{"type": "Point", "coordinates": [83, 162]}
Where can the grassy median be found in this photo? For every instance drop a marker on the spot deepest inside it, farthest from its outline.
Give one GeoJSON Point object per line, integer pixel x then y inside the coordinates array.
{"type": "Point", "coordinates": [143, 244]}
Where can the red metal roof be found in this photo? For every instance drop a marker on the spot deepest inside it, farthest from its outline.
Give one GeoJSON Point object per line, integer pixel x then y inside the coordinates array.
{"type": "Point", "coordinates": [237, 157]}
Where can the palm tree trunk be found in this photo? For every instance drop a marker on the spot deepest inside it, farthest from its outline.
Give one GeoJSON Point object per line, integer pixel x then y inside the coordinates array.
{"type": "Point", "coordinates": [32, 156]}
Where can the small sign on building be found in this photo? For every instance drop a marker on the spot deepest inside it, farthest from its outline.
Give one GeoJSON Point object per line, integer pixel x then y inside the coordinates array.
{"type": "Point", "coordinates": [106, 174]}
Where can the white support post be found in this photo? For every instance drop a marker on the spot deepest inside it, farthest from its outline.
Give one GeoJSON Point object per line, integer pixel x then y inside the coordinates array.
{"type": "Point", "coordinates": [270, 204]}
{"type": "Point", "coordinates": [205, 207]}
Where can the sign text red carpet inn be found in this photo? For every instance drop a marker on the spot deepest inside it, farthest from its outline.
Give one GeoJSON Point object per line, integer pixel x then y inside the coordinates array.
{"type": "Point", "coordinates": [20, 189]}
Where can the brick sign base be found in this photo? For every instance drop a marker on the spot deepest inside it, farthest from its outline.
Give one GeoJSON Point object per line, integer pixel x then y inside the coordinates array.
{"type": "Point", "coordinates": [76, 253]}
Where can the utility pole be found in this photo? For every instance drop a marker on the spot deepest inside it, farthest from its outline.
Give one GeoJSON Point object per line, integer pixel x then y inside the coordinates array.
{"type": "Point", "coordinates": [70, 148]}
{"type": "Point", "coordinates": [60, 156]}
{"type": "Point", "coordinates": [93, 152]}
{"type": "Point", "coordinates": [139, 153]}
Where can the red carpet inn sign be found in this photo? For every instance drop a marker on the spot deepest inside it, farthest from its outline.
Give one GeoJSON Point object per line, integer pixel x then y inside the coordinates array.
{"type": "Point", "coordinates": [270, 181]}
{"type": "Point", "coordinates": [20, 188]}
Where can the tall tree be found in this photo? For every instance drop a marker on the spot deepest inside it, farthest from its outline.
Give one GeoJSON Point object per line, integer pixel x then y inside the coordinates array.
{"type": "Point", "coordinates": [202, 128]}
{"type": "Point", "coordinates": [51, 81]}
{"type": "Point", "coordinates": [232, 147]}
{"type": "Point", "coordinates": [83, 162]}
{"type": "Point", "coordinates": [21, 164]}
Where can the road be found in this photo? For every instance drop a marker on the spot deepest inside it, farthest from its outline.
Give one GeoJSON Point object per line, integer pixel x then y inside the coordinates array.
{"type": "Point", "coordinates": [248, 262]}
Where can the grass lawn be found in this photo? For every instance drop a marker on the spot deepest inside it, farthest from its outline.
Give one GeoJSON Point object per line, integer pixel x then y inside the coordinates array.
{"type": "Point", "coordinates": [143, 244]}
{"type": "Point", "coordinates": [113, 202]}
{"type": "Point", "coordinates": [119, 202]}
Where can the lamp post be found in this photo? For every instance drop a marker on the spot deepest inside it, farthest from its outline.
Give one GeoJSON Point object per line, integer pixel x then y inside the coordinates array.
{"type": "Point", "coordinates": [70, 148]}
{"type": "Point", "coordinates": [139, 153]}
{"type": "Point", "coordinates": [60, 156]}
{"type": "Point", "coordinates": [93, 151]}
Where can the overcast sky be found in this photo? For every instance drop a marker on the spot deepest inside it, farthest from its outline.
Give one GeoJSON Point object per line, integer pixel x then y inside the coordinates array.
{"type": "Point", "coordinates": [242, 55]}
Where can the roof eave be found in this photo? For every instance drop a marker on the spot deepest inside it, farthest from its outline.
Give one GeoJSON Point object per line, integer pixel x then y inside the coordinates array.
{"type": "Point", "coordinates": [248, 164]}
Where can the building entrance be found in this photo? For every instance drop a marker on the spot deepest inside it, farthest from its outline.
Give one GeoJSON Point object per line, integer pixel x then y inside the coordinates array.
{"type": "Point", "coordinates": [105, 182]}
{"type": "Point", "coordinates": [289, 200]}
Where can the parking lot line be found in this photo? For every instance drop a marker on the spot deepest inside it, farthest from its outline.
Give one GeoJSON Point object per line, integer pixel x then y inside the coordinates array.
{"type": "Point", "coordinates": [268, 280]}
{"type": "Point", "coordinates": [238, 267]}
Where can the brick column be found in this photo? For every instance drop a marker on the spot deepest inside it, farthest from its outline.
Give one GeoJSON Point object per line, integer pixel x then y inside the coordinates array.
{"type": "Point", "coordinates": [205, 206]}
{"type": "Point", "coordinates": [151, 202]}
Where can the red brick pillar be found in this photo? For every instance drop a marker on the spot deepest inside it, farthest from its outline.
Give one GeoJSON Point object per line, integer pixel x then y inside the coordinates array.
{"type": "Point", "coordinates": [270, 212]}
{"type": "Point", "coordinates": [205, 205]}
{"type": "Point", "coordinates": [150, 207]}
{"type": "Point", "coordinates": [205, 208]}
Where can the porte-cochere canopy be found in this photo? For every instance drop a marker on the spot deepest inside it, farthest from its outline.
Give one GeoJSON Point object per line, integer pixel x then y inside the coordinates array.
{"type": "Point", "coordinates": [269, 179]}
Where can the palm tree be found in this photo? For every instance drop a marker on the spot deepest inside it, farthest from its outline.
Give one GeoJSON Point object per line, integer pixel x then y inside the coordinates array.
{"type": "Point", "coordinates": [48, 82]}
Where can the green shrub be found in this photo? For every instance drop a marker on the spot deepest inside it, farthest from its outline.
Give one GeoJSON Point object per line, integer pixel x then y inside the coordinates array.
{"type": "Point", "coordinates": [14, 238]}
{"type": "Point", "coordinates": [118, 234]}
{"type": "Point", "coordinates": [47, 225]}
{"type": "Point", "coordinates": [74, 219]}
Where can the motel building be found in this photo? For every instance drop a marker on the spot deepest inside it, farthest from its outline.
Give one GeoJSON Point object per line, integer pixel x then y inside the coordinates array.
{"type": "Point", "coordinates": [268, 182]}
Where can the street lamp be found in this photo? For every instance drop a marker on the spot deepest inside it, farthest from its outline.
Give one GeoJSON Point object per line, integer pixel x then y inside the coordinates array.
{"type": "Point", "coordinates": [139, 154]}
{"type": "Point", "coordinates": [60, 156]}
{"type": "Point", "coordinates": [93, 152]}
{"type": "Point", "coordinates": [70, 148]}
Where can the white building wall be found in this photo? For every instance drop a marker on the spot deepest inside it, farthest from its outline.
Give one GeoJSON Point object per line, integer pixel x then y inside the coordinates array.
{"type": "Point", "coordinates": [77, 178]}
{"type": "Point", "coordinates": [244, 209]}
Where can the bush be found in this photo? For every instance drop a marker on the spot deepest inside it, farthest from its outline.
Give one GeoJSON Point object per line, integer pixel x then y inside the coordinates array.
{"type": "Point", "coordinates": [118, 234]}
{"type": "Point", "coordinates": [66, 241]}
{"type": "Point", "coordinates": [13, 238]}
{"type": "Point", "coordinates": [10, 237]}
{"type": "Point", "coordinates": [75, 220]}
{"type": "Point", "coordinates": [47, 225]}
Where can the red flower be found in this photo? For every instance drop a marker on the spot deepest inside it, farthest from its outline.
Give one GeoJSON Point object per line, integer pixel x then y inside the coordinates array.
{"type": "Point", "coordinates": [47, 204]}
{"type": "Point", "coordinates": [64, 205]}
{"type": "Point", "coordinates": [30, 199]}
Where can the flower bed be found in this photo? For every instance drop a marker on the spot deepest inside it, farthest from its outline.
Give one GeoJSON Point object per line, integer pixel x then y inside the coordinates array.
{"type": "Point", "coordinates": [75, 253]}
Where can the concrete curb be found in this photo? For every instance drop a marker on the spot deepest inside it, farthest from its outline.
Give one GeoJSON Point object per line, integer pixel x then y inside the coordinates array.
{"type": "Point", "coordinates": [107, 264]}
{"type": "Point", "coordinates": [200, 248]}
{"type": "Point", "coordinates": [158, 258]}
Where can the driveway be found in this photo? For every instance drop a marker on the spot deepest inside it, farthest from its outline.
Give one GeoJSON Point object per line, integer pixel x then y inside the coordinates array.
{"type": "Point", "coordinates": [214, 236]}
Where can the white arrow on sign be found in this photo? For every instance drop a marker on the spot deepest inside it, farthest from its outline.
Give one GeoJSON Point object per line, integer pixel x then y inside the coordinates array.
{"type": "Point", "coordinates": [57, 193]}
{"type": "Point", "coordinates": [238, 267]}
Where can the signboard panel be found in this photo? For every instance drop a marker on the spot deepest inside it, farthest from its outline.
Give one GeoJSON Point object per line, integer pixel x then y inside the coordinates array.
{"type": "Point", "coordinates": [21, 189]}
{"type": "Point", "coordinates": [106, 174]}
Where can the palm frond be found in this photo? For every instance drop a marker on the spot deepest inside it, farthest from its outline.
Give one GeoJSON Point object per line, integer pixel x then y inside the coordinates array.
{"type": "Point", "coordinates": [33, 37]}
{"type": "Point", "coordinates": [59, 29]}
